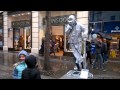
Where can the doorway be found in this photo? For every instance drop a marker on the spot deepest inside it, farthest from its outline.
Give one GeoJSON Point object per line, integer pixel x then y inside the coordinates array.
{"type": "Point", "coordinates": [21, 38]}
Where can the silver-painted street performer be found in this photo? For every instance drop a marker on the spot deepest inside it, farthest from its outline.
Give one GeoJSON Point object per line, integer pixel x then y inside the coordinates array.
{"type": "Point", "coordinates": [76, 33]}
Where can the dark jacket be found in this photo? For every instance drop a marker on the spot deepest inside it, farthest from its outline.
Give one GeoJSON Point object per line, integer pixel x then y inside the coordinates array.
{"type": "Point", "coordinates": [88, 46]}
{"type": "Point", "coordinates": [104, 48]}
{"type": "Point", "coordinates": [31, 72]}
{"type": "Point", "coordinates": [98, 46]}
{"type": "Point", "coordinates": [41, 51]}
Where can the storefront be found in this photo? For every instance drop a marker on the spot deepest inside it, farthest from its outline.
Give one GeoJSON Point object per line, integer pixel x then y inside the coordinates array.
{"type": "Point", "coordinates": [19, 30]}
{"type": "Point", "coordinates": [25, 29]}
{"type": "Point", "coordinates": [58, 21]}
{"type": "Point", "coordinates": [113, 29]}
{"type": "Point", "coordinates": [1, 31]}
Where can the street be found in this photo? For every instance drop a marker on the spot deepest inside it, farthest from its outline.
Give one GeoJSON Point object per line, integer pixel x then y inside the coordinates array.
{"type": "Point", "coordinates": [58, 67]}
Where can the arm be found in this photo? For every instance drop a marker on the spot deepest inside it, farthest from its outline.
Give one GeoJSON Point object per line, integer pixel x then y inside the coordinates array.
{"type": "Point", "coordinates": [68, 29]}
{"type": "Point", "coordinates": [99, 44]}
{"type": "Point", "coordinates": [84, 31]}
{"type": "Point", "coordinates": [15, 74]}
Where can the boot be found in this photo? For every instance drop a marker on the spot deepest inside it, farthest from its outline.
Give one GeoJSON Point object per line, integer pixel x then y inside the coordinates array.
{"type": "Point", "coordinates": [78, 67]}
{"type": "Point", "coordinates": [82, 65]}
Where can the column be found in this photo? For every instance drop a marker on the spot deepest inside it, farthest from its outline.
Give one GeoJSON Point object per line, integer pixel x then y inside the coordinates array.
{"type": "Point", "coordinates": [5, 29]}
{"type": "Point", "coordinates": [35, 33]}
{"type": "Point", "coordinates": [82, 17]}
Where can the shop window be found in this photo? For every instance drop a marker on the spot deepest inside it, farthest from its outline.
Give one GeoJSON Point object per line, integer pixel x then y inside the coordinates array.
{"type": "Point", "coordinates": [1, 38]}
{"type": "Point", "coordinates": [67, 47]}
{"type": "Point", "coordinates": [10, 38]}
{"type": "Point", "coordinates": [112, 18]}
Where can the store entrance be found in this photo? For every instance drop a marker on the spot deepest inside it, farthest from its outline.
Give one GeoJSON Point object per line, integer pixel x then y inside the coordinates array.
{"type": "Point", "coordinates": [21, 38]}
{"type": "Point", "coordinates": [57, 37]}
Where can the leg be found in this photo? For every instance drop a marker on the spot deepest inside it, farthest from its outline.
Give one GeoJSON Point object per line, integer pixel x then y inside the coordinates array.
{"type": "Point", "coordinates": [89, 57]}
{"type": "Point", "coordinates": [77, 54]}
{"type": "Point", "coordinates": [96, 60]}
{"type": "Point", "coordinates": [101, 61]}
{"type": "Point", "coordinates": [103, 56]}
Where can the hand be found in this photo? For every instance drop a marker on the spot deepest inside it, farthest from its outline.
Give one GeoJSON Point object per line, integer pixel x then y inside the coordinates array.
{"type": "Point", "coordinates": [85, 36]}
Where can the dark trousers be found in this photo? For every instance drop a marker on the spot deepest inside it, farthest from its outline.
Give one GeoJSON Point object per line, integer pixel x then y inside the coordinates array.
{"type": "Point", "coordinates": [100, 59]}
{"type": "Point", "coordinates": [104, 55]}
{"type": "Point", "coordinates": [89, 57]}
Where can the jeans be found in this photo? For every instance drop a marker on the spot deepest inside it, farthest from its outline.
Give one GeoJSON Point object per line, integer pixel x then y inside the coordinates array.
{"type": "Point", "coordinates": [105, 57]}
{"type": "Point", "coordinates": [100, 59]}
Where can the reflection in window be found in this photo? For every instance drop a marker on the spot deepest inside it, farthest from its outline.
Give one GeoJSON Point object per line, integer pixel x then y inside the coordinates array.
{"type": "Point", "coordinates": [112, 18]}
{"type": "Point", "coordinates": [66, 44]}
{"type": "Point", "coordinates": [1, 38]}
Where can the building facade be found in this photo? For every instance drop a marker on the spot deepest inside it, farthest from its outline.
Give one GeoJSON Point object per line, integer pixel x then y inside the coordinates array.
{"type": "Point", "coordinates": [25, 29]}
{"type": "Point", "coordinates": [107, 22]}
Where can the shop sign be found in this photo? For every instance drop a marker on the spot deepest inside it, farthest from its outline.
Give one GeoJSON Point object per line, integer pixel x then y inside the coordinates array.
{"type": "Point", "coordinates": [116, 29]}
{"type": "Point", "coordinates": [23, 23]}
{"type": "Point", "coordinates": [58, 20]}
{"type": "Point", "coordinates": [111, 27]}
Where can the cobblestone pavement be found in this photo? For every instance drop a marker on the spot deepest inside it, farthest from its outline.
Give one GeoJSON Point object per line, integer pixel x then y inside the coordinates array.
{"type": "Point", "coordinates": [60, 66]}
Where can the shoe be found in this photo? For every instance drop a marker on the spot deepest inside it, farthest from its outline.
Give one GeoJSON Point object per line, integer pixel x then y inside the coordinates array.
{"type": "Point", "coordinates": [93, 67]}
{"type": "Point", "coordinates": [75, 67]}
{"type": "Point", "coordinates": [104, 70]}
{"type": "Point", "coordinates": [106, 62]}
{"type": "Point", "coordinates": [97, 68]}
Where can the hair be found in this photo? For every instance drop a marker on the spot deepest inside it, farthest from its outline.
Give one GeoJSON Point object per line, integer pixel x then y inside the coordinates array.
{"type": "Point", "coordinates": [31, 61]}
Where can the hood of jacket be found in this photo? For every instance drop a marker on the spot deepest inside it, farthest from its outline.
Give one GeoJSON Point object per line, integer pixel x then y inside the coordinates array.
{"type": "Point", "coordinates": [23, 52]}
{"type": "Point", "coordinates": [31, 61]}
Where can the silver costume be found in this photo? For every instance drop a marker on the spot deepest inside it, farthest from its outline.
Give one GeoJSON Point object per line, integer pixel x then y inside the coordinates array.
{"type": "Point", "coordinates": [75, 32]}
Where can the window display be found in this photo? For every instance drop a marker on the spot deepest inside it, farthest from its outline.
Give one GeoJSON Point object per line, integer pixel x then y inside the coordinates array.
{"type": "Point", "coordinates": [16, 39]}
{"type": "Point", "coordinates": [1, 38]}
{"type": "Point", "coordinates": [22, 38]}
{"type": "Point", "coordinates": [10, 37]}
{"type": "Point", "coordinates": [28, 38]}
{"type": "Point", "coordinates": [114, 46]}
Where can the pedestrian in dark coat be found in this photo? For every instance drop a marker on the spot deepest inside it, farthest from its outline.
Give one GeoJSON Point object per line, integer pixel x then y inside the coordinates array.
{"type": "Point", "coordinates": [41, 51]}
{"type": "Point", "coordinates": [31, 72]}
{"type": "Point", "coordinates": [88, 50]}
{"type": "Point", "coordinates": [98, 45]}
{"type": "Point", "coordinates": [104, 51]}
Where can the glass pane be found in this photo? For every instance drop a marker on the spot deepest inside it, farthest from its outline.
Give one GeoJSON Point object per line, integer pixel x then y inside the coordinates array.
{"type": "Point", "coordinates": [66, 44]}
{"type": "Point", "coordinates": [1, 38]}
{"type": "Point", "coordinates": [28, 37]}
{"type": "Point", "coordinates": [10, 38]}
{"type": "Point", "coordinates": [16, 39]}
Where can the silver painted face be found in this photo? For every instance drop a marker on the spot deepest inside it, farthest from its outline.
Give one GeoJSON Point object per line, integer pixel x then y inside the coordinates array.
{"type": "Point", "coordinates": [71, 20]}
